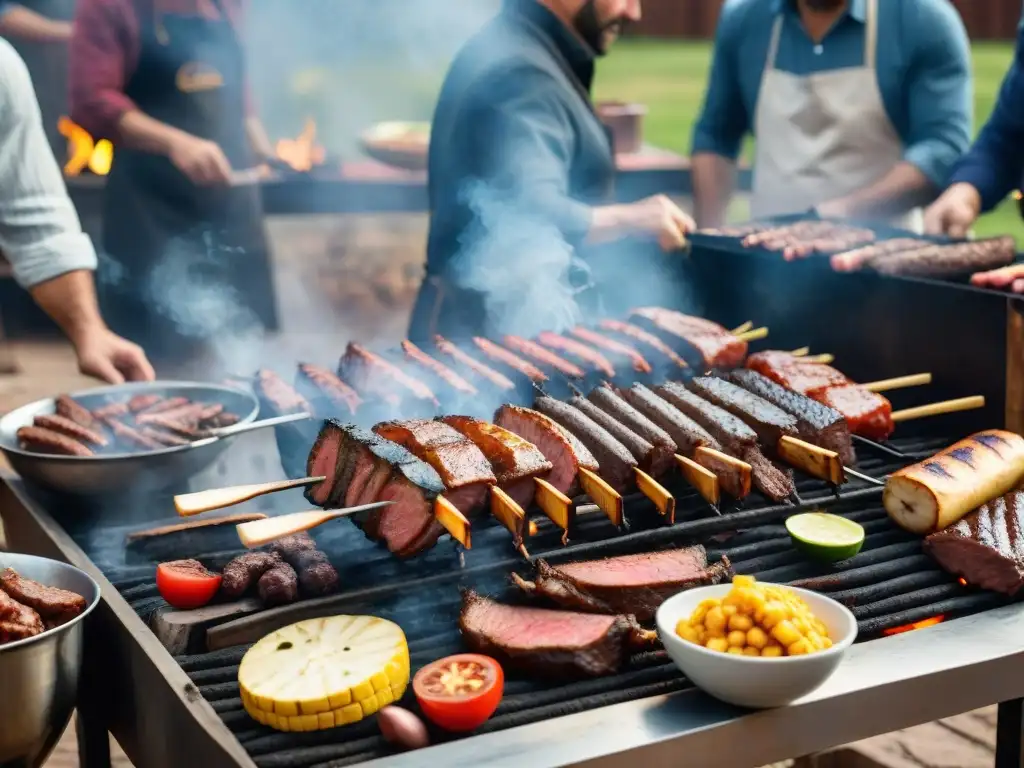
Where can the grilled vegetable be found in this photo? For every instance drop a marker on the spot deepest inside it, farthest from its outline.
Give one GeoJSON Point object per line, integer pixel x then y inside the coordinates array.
{"type": "Point", "coordinates": [459, 693]}
{"type": "Point", "coordinates": [323, 673]}
{"type": "Point", "coordinates": [932, 494]}
{"type": "Point", "coordinates": [186, 584]}
{"type": "Point", "coordinates": [402, 728]}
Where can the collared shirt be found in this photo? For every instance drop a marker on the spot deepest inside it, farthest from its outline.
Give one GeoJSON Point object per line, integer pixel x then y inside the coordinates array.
{"type": "Point", "coordinates": [104, 52]}
{"type": "Point", "coordinates": [923, 67]}
{"type": "Point", "coordinates": [995, 164]}
{"type": "Point", "coordinates": [40, 233]}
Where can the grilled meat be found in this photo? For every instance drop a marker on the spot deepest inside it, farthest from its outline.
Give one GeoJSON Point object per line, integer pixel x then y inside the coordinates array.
{"type": "Point", "coordinates": [278, 585]}
{"type": "Point", "coordinates": [55, 606]}
{"type": "Point", "coordinates": [853, 260]}
{"type": "Point", "coordinates": [616, 462]}
{"type": "Point", "coordinates": [631, 583]}
{"type": "Point", "coordinates": [112, 411]}
{"type": "Point", "coordinates": [162, 437]}
{"type": "Point", "coordinates": [771, 480]}
{"type": "Point", "coordinates": [371, 375]}
{"type": "Point", "coordinates": [639, 449]}
{"type": "Point", "coordinates": [184, 423]}
{"type": "Point", "coordinates": [985, 548]}
{"type": "Point", "coordinates": [562, 449]}
{"type": "Point", "coordinates": [66, 426]}
{"type": "Point", "coordinates": [543, 643]}
{"type": "Point", "coordinates": [662, 446]}
{"type": "Point", "coordinates": [161, 405]}
{"type": "Point", "coordinates": [543, 356]}
{"type": "Point", "coordinates": [290, 546]}
{"type": "Point", "coordinates": [320, 385]}
{"type": "Point", "coordinates": [716, 346]}
{"type": "Point", "coordinates": [867, 413]}
{"type": "Point", "coordinates": [471, 367]}
{"type": "Point", "coordinates": [317, 577]}
{"type": "Point", "coordinates": [67, 407]}
{"type": "Point", "coordinates": [826, 235]}
{"type": "Point", "coordinates": [244, 571]}
{"type": "Point", "coordinates": [278, 396]}
{"type": "Point", "coordinates": [132, 437]}
{"type": "Point", "coordinates": [41, 440]}
{"type": "Point", "coordinates": [140, 403]}
{"type": "Point", "coordinates": [686, 433]}
{"type": "Point", "coordinates": [503, 357]}
{"type": "Point", "coordinates": [817, 423]}
{"type": "Point", "coordinates": [618, 348]}
{"type": "Point", "coordinates": [769, 422]}
{"type": "Point", "coordinates": [949, 260]}
{"type": "Point", "coordinates": [17, 621]}
{"type": "Point", "coordinates": [648, 342]}
{"type": "Point", "coordinates": [514, 460]}
{"type": "Point", "coordinates": [436, 370]}
{"type": "Point", "coordinates": [584, 355]}
{"type": "Point", "coordinates": [796, 374]}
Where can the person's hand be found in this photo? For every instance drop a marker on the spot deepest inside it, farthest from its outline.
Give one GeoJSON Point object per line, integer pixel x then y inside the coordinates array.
{"type": "Point", "coordinates": [200, 160]}
{"type": "Point", "coordinates": [954, 212]}
{"type": "Point", "coordinates": [659, 217]}
{"type": "Point", "coordinates": [105, 355]}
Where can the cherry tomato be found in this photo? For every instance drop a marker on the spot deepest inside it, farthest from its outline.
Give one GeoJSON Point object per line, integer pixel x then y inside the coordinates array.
{"type": "Point", "coordinates": [459, 693]}
{"type": "Point", "coordinates": [186, 584]}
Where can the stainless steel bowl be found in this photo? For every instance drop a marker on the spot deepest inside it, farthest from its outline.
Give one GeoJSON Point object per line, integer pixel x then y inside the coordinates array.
{"type": "Point", "coordinates": [39, 675]}
{"type": "Point", "coordinates": [145, 470]}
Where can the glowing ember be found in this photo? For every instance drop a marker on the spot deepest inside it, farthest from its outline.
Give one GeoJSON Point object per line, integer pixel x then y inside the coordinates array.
{"type": "Point", "coordinates": [83, 152]}
{"type": "Point", "coordinates": [302, 152]}
{"type": "Point", "coordinates": [963, 581]}
{"type": "Point", "coordinates": [916, 625]}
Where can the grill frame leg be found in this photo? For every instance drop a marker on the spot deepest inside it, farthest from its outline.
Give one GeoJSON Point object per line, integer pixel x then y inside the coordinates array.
{"type": "Point", "coordinates": [1010, 734]}
{"type": "Point", "coordinates": [93, 739]}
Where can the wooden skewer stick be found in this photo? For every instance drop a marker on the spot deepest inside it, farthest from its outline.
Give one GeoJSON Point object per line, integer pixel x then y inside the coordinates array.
{"type": "Point", "coordinates": [453, 521]}
{"type": "Point", "coordinates": [720, 463]}
{"type": "Point", "coordinates": [742, 329]}
{"type": "Point", "coordinates": [602, 494]}
{"type": "Point", "coordinates": [704, 480]}
{"type": "Point", "coordinates": [801, 352]}
{"type": "Point", "coordinates": [655, 491]}
{"type": "Point", "coordinates": [825, 359]}
{"type": "Point", "coordinates": [754, 335]}
{"type": "Point", "coordinates": [900, 382]}
{"type": "Point", "coordinates": [189, 504]}
{"type": "Point", "coordinates": [512, 516]}
{"type": "Point", "coordinates": [553, 503]}
{"type": "Point", "coordinates": [937, 409]}
{"type": "Point", "coordinates": [259, 532]}
{"type": "Point", "coordinates": [812, 459]}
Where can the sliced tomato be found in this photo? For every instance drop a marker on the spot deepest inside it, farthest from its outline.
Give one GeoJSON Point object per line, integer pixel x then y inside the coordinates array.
{"type": "Point", "coordinates": [459, 693]}
{"type": "Point", "coordinates": [186, 584]}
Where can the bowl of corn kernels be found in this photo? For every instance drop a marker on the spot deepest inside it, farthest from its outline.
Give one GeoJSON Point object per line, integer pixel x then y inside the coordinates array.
{"type": "Point", "coordinates": [755, 644]}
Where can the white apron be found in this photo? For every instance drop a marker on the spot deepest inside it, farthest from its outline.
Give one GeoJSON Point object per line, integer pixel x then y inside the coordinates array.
{"type": "Point", "coordinates": [822, 136]}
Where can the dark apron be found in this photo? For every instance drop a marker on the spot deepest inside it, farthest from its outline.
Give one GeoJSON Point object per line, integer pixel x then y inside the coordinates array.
{"type": "Point", "coordinates": [185, 265]}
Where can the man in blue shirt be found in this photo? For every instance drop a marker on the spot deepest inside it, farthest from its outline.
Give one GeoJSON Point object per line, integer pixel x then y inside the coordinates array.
{"type": "Point", "coordinates": [859, 108]}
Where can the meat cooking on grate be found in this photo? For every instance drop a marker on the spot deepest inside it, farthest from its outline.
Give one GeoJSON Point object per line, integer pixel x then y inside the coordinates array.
{"type": "Point", "coordinates": [374, 377]}
{"type": "Point", "coordinates": [244, 571]}
{"type": "Point", "coordinates": [769, 422]}
{"type": "Point", "coordinates": [55, 606]}
{"type": "Point", "coordinates": [853, 260]}
{"type": "Point", "coordinates": [278, 396]}
{"type": "Point", "coordinates": [543, 356]}
{"type": "Point", "coordinates": [500, 356]}
{"type": "Point", "coordinates": [652, 346]}
{"type": "Point", "coordinates": [867, 413]}
{"type": "Point", "coordinates": [436, 370]}
{"type": "Point", "coordinates": [617, 348]}
{"type": "Point", "coordinates": [948, 260]}
{"type": "Point", "coordinates": [640, 449]}
{"type": "Point", "coordinates": [577, 350]}
{"type": "Point", "coordinates": [636, 584]}
{"type": "Point", "coordinates": [543, 642]}
{"type": "Point", "coordinates": [717, 347]}
{"type": "Point", "coordinates": [472, 368]}
{"type": "Point", "coordinates": [321, 385]}
{"type": "Point", "coordinates": [796, 374]}
{"type": "Point", "coordinates": [662, 447]}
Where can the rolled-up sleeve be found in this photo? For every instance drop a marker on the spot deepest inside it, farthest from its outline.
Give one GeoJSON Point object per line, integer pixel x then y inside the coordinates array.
{"type": "Point", "coordinates": [940, 107]}
{"type": "Point", "coordinates": [723, 120]}
{"type": "Point", "coordinates": [103, 44]}
{"type": "Point", "coordinates": [40, 233]}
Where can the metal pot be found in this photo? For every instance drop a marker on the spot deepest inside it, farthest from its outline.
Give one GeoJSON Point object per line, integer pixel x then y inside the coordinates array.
{"type": "Point", "coordinates": [39, 675]}
{"type": "Point", "coordinates": [143, 470]}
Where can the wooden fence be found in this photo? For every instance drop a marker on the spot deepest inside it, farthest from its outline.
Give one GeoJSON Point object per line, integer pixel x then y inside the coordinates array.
{"type": "Point", "coordinates": [985, 19]}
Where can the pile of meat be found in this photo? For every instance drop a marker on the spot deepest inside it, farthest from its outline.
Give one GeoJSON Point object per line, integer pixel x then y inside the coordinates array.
{"type": "Point", "coordinates": [28, 608]}
{"type": "Point", "coordinates": [797, 240]}
{"type": "Point", "coordinates": [922, 258]}
{"type": "Point", "coordinates": [141, 423]}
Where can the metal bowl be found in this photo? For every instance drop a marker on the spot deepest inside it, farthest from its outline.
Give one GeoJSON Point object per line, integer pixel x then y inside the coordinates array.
{"type": "Point", "coordinates": [153, 470]}
{"type": "Point", "coordinates": [39, 675]}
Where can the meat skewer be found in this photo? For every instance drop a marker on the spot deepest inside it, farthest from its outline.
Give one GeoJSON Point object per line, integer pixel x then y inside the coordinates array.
{"type": "Point", "coordinates": [717, 347]}
{"type": "Point", "coordinates": [257, 533]}
{"type": "Point", "coordinates": [543, 356]}
{"type": "Point", "coordinates": [579, 351]}
{"type": "Point", "coordinates": [472, 367]}
{"type": "Point", "coordinates": [640, 365]}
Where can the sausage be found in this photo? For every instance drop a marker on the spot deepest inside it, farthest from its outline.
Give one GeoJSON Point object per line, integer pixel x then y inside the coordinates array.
{"type": "Point", "coordinates": [436, 368]}
{"type": "Point", "coordinates": [544, 356]}
{"type": "Point", "coordinates": [640, 365]}
{"type": "Point", "coordinates": [317, 576]}
{"type": "Point", "coordinates": [663, 446]}
{"type": "Point", "coordinates": [142, 402]}
{"type": "Point", "coordinates": [471, 365]}
{"type": "Point", "coordinates": [851, 261]}
{"type": "Point", "coordinates": [111, 411]}
{"type": "Point", "coordinates": [935, 493]}
{"type": "Point", "coordinates": [43, 440]}
{"type": "Point", "coordinates": [501, 355]}
{"type": "Point", "coordinates": [641, 449]}
{"type": "Point", "coordinates": [133, 437]}
{"type": "Point", "coordinates": [78, 413]}
{"type": "Point", "coordinates": [578, 350]}
{"type": "Point", "coordinates": [65, 426]}
{"type": "Point", "coordinates": [165, 404]}
{"type": "Point", "coordinates": [279, 585]}
{"type": "Point", "coordinates": [245, 570]}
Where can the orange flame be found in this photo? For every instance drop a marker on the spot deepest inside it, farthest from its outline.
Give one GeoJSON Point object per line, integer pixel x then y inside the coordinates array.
{"type": "Point", "coordinates": [83, 152]}
{"type": "Point", "coordinates": [302, 152]}
{"type": "Point", "coordinates": [916, 625]}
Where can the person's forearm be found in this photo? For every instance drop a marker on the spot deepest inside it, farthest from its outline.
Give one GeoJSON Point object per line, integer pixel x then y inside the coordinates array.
{"type": "Point", "coordinates": [903, 188]}
{"type": "Point", "coordinates": [609, 223]}
{"type": "Point", "coordinates": [70, 300]}
{"type": "Point", "coordinates": [26, 24]}
{"type": "Point", "coordinates": [714, 180]}
{"type": "Point", "coordinates": [140, 131]}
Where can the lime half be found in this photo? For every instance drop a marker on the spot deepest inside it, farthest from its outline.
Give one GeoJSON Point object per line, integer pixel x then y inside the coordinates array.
{"type": "Point", "coordinates": [825, 537]}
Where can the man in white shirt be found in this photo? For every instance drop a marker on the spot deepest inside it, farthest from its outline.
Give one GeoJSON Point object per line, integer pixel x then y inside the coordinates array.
{"type": "Point", "coordinates": [42, 238]}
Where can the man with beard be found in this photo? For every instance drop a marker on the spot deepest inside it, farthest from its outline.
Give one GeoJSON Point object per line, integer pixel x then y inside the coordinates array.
{"type": "Point", "coordinates": [859, 108]}
{"type": "Point", "coordinates": [521, 178]}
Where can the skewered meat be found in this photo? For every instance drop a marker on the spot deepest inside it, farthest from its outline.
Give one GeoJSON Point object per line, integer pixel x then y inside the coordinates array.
{"type": "Point", "coordinates": [663, 447]}
{"type": "Point", "coordinates": [417, 357]}
{"type": "Point", "coordinates": [937, 492]}
{"type": "Point", "coordinates": [858, 258]}
{"type": "Point", "coordinates": [646, 341]}
{"type": "Point", "coordinates": [472, 367]}
{"type": "Point", "coordinates": [949, 260]}
{"type": "Point", "coordinates": [773, 481]}
{"type": "Point", "coordinates": [867, 413]}
{"type": "Point", "coordinates": [370, 374]}
{"type": "Point", "coordinates": [17, 621]}
{"type": "Point", "coordinates": [640, 449]}
{"type": "Point", "coordinates": [542, 356]}
{"type": "Point", "coordinates": [133, 437]}
{"type": "Point", "coordinates": [67, 407]}
{"type": "Point", "coordinates": [686, 433]}
{"type": "Point", "coordinates": [463, 468]}
{"type": "Point", "coordinates": [502, 356]}
{"type": "Point", "coordinates": [562, 449]}
{"type": "Point", "coordinates": [817, 423]}
{"type": "Point", "coordinates": [616, 462]}
{"type": "Point", "coordinates": [543, 642]}
{"type": "Point", "coordinates": [279, 396]}
{"type": "Point", "coordinates": [718, 348]}
{"type": "Point", "coordinates": [796, 374]}
{"type": "Point", "coordinates": [580, 352]}
{"type": "Point", "coordinates": [640, 365]}
{"type": "Point", "coordinates": [244, 571]}
{"type": "Point", "coordinates": [319, 384]}
{"type": "Point", "coordinates": [278, 585]}
{"type": "Point", "coordinates": [514, 460]}
{"type": "Point", "coordinates": [631, 583]}
{"type": "Point", "coordinates": [769, 422]}
{"type": "Point", "coordinates": [41, 440]}
{"type": "Point", "coordinates": [55, 606]}
{"type": "Point", "coordinates": [986, 548]}
{"type": "Point", "coordinates": [65, 426]}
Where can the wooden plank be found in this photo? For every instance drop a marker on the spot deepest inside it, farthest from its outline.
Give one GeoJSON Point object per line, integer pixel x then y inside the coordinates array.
{"type": "Point", "coordinates": [183, 632]}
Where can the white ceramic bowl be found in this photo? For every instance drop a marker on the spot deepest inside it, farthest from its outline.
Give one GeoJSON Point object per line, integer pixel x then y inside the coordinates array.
{"type": "Point", "coordinates": [751, 681]}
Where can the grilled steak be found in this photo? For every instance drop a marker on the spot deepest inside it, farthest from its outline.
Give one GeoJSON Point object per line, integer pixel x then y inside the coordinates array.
{"type": "Point", "coordinates": [774, 482]}
{"type": "Point", "coordinates": [615, 347]}
{"type": "Point", "coordinates": [278, 585]}
{"type": "Point", "coordinates": [55, 606]}
{"type": "Point", "coordinates": [514, 460]}
{"type": "Point", "coordinates": [278, 396]}
{"type": "Point", "coordinates": [321, 386]}
{"type": "Point", "coordinates": [769, 422]}
{"type": "Point", "coordinates": [640, 449]}
{"type": "Point", "coordinates": [436, 370]}
{"type": "Point", "coordinates": [471, 367]}
{"type": "Point", "coordinates": [501, 356]}
{"type": "Point", "coordinates": [565, 452]}
{"type": "Point", "coordinates": [686, 433]}
{"type": "Point", "coordinates": [42, 440]}
{"type": "Point", "coordinates": [623, 412]}
{"type": "Point", "coordinates": [853, 260]}
{"type": "Point", "coordinates": [17, 621]}
{"type": "Point", "coordinates": [69, 408]}
{"type": "Point", "coordinates": [867, 413]}
{"type": "Point", "coordinates": [716, 346]}
{"type": "Point", "coordinates": [543, 356]}
{"type": "Point", "coordinates": [948, 260]}
{"type": "Point", "coordinates": [615, 460]}
{"type": "Point", "coordinates": [244, 571]}
{"type": "Point", "coordinates": [577, 350]}
{"type": "Point", "coordinates": [542, 643]}
{"type": "Point", "coordinates": [632, 583]}
{"type": "Point", "coordinates": [371, 375]}
{"type": "Point", "coordinates": [817, 423]}
{"type": "Point", "coordinates": [646, 341]}
{"type": "Point", "coordinates": [71, 428]}
{"type": "Point", "coordinates": [985, 548]}
{"type": "Point", "coordinates": [796, 374]}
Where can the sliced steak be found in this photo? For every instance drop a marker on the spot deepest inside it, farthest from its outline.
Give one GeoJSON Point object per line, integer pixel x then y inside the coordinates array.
{"type": "Point", "coordinates": [686, 433]}
{"type": "Point", "coordinates": [640, 449]}
{"type": "Point", "coordinates": [42, 440]}
{"type": "Point", "coordinates": [717, 347]}
{"type": "Point", "coordinates": [775, 483]}
{"type": "Point", "coordinates": [69, 408]}
{"type": "Point", "coordinates": [373, 376]}
{"type": "Point", "coordinates": [769, 422]}
{"type": "Point", "coordinates": [277, 396]}
{"type": "Point", "coordinates": [618, 408]}
{"type": "Point", "coordinates": [729, 431]}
